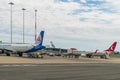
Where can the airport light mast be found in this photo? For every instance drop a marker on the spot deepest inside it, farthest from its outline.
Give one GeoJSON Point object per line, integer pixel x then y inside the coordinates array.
{"type": "Point", "coordinates": [35, 24]}
{"type": "Point", "coordinates": [11, 4]}
{"type": "Point", "coordinates": [23, 24]}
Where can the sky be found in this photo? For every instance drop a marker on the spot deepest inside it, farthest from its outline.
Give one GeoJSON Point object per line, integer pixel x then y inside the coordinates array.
{"type": "Point", "coordinates": [82, 24]}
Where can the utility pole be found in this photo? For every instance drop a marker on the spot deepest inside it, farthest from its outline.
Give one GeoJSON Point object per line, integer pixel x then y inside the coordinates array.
{"type": "Point", "coordinates": [11, 4]}
{"type": "Point", "coordinates": [35, 24]}
{"type": "Point", "coordinates": [23, 24]}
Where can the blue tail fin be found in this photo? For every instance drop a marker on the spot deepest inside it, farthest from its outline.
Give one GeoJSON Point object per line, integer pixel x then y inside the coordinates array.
{"type": "Point", "coordinates": [40, 38]}
{"type": "Point", "coordinates": [38, 43]}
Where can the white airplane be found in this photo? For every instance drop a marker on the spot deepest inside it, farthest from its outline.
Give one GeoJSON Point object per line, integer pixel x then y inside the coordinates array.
{"type": "Point", "coordinates": [20, 48]}
{"type": "Point", "coordinates": [104, 53]}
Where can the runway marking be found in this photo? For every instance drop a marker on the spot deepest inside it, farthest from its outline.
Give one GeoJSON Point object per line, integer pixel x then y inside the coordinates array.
{"type": "Point", "coordinates": [51, 64]}
{"type": "Point", "coordinates": [17, 65]}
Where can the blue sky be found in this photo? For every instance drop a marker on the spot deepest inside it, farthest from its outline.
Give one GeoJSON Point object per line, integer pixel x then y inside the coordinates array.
{"type": "Point", "coordinates": [84, 24]}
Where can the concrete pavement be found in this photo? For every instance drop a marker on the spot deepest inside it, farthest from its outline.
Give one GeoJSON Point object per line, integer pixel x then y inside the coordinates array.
{"type": "Point", "coordinates": [81, 71]}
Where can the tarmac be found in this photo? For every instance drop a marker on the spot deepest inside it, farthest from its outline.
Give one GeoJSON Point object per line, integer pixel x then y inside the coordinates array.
{"type": "Point", "coordinates": [58, 68]}
{"type": "Point", "coordinates": [56, 59]}
{"type": "Point", "coordinates": [72, 71]}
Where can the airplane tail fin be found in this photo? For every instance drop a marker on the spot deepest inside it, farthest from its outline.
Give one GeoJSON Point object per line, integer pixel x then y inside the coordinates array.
{"type": "Point", "coordinates": [96, 50]}
{"type": "Point", "coordinates": [40, 38]}
{"type": "Point", "coordinates": [53, 46]}
{"type": "Point", "coordinates": [112, 47]}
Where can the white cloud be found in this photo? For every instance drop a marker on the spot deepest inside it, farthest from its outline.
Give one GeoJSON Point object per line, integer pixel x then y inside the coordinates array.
{"type": "Point", "coordinates": [84, 1]}
{"type": "Point", "coordinates": [65, 29]}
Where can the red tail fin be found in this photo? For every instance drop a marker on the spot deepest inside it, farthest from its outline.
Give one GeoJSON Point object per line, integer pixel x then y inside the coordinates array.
{"type": "Point", "coordinates": [96, 50]}
{"type": "Point", "coordinates": [112, 47]}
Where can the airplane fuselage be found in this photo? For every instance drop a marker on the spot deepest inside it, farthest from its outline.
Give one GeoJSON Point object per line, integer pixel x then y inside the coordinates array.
{"type": "Point", "coordinates": [16, 47]}
{"type": "Point", "coordinates": [21, 48]}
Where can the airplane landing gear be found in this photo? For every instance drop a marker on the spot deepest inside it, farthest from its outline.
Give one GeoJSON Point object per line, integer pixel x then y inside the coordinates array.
{"type": "Point", "coordinates": [7, 54]}
{"type": "Point", "coordinates": [20, 54]}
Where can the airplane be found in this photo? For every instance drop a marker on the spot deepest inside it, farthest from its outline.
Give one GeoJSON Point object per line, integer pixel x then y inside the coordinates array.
{"type": "Point", "coordinates": [53, 46]}
{"type": "Point", "coordinates": [103, 54]}
{"type": "Point", "coordinates": [21, 48]}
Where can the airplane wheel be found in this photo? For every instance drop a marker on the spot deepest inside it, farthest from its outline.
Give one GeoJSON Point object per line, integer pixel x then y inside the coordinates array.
{"type": "Point", "coordinates": [89, 55]}
{"type": "Point", "coordinates": [7, 54]}
{"type": "Point", "coordinates": [102, 57]}
{"type": "Point", "coordinates": [3, 51]}
{"type": "Point", "coordinates": [20, 54]}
